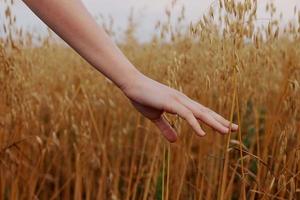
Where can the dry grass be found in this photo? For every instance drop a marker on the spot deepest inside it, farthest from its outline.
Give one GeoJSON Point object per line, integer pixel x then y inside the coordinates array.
{"type": "Point", "coordinates": [68, 133]}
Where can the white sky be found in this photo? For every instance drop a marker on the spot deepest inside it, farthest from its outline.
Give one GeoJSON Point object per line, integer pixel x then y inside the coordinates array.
{"type": "Point", "coordinates": [147, 12]}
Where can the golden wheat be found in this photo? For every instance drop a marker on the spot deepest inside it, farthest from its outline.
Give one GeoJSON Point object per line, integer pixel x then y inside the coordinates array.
{"type": "Point", "coordinates": [68, 133]}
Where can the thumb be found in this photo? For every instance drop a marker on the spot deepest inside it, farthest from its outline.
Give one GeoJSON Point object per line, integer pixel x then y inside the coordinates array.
{"type": "Point", "coordinates": [166, 129]}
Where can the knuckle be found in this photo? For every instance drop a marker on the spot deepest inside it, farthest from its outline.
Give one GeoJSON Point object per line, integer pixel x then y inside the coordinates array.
{"type": "Point", "coordinates": [206, 110]}
{"type": "Point", "coordinates": [169, 105]}
{"type": "Point", "coordinates": [189, 116]}
{"type": "Point", "coordinates": [178, 95]}
{"type": "Point", "coordinates": [175, 96]}
{"type": "Point", "coordinates": [183, 96]}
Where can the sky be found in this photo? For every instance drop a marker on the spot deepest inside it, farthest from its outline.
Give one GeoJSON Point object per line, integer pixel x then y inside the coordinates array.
{"type": "Point", "coordinates": [146, 12]}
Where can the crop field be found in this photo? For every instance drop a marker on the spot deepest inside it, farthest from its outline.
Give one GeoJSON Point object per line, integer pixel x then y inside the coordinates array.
{"type": "Point", "coordinates": [67, 132]}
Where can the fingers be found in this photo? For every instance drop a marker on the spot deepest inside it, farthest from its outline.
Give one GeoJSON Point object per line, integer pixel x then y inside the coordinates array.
{"type": "Point", "coordinates": [225, 122]}
{"type": "Point", "coordinates": [218, 117]}
{"type": "Point", "coordinates": [188, 115]}
{"type": "Point", "coordinates": [204, 116]}
{"type": "Point", "coordinates": [168, 132]}
{"type": "Point", "coordinates": [212, 119]}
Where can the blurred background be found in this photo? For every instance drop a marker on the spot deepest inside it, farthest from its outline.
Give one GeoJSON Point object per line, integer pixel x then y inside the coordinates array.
{"type": "Point", "coordinates": [147, 13]}
{"type": "Point", "coordinates": [67, 132]}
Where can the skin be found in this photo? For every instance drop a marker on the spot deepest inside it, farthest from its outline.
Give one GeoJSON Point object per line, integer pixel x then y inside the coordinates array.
{"type": "Point", "coordinates": [75, 25]}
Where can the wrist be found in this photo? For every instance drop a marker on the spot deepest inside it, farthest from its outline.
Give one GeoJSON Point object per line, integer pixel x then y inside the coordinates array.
{"type": "Point", "coordinates": [131, 80]}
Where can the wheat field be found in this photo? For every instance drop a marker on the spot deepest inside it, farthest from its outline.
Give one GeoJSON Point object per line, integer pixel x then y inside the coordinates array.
{"type": "Point", "coordinates": [66, 132]}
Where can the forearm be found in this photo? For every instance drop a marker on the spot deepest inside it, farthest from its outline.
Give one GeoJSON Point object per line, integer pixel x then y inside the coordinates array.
{"type": "Point", "coordinates": [73, 23]}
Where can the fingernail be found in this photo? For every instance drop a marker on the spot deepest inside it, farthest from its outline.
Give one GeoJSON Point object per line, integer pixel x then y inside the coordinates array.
{"type": "Point", "coordinates": [201, 134]}
{"type": "Point", "coordinates": [226, 130]}
{"type": "Point", "coordinates": [235, 127]}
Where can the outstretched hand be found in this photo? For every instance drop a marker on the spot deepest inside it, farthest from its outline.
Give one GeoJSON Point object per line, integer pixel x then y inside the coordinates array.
{"type": "Point", "coordinates": [152, 99]}
{"type": "Point", "coordinates": [149, 97]}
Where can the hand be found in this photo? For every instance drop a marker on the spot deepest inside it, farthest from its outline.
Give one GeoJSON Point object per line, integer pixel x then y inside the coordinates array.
{"type": "Point", "coordinates": [152, 99]}
{"type": "Point", "coordinates": [149, 97]}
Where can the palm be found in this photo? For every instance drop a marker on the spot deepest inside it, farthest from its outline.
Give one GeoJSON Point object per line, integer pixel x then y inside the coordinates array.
{"type": "Point", "coordinates": [147, 111]}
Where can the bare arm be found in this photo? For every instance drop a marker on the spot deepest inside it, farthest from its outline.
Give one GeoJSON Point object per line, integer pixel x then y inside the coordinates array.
{"type": "Point", "coordinates": [73, 23]}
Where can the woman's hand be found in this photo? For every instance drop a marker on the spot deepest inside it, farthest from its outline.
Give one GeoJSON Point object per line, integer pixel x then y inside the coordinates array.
{"type": "Point", "coordinates": [152, 99]}
{"type": "Point", "coordinates": [74, 24]}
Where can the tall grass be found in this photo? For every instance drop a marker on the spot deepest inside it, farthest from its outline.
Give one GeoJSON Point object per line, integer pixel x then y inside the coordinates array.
{"type": "Point", "coordinates": [68, 133]}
